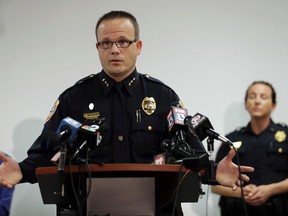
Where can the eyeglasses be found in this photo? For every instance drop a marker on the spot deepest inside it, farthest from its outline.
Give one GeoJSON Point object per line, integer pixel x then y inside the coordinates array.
{"type": "Point", "coordinates": [119, 44]}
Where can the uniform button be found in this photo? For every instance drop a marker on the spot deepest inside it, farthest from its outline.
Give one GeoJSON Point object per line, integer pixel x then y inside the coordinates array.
{"type": "Point", "coordinates": [120, 138]}
{"type": "Point", "coordinates": [280, 150]}
{"type": "Point", "coordinates": [149, 128]}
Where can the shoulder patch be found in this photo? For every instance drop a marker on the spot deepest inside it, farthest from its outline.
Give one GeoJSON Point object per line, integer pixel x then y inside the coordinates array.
{"type": "Point", "coordinates": [53, 110]}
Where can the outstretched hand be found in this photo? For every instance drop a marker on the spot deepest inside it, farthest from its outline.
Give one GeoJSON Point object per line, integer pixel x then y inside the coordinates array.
{"type": "Point", "coordinates": [10, 172]}
{"type": "Point", "coordinates": [227, 173]}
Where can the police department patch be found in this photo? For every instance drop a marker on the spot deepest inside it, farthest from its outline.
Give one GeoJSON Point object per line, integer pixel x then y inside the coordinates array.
{"type": "Point", "coordinates": [53, 110]}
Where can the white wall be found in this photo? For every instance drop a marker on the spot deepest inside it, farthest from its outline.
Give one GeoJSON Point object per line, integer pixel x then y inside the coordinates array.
{"type": "Point", "coordinates": [208, 51]}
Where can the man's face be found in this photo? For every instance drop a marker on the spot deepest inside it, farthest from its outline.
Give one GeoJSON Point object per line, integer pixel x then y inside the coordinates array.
{"type": "Point", "coordinates": [259, 101]}
{"type": "Point", "coordinates": [118, 63]}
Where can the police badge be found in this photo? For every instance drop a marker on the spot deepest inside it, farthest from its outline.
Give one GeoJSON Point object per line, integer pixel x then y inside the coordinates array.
{"type": "Point", "coordinates": [149, 105]}
{"type": "Point", "coordinates": [280, 136]}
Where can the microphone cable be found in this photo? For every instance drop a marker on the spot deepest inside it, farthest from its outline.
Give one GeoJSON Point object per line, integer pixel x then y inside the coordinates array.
{"type": "Point", "coordinates": [176, 191]}
{"type": "Point", "coordinates": [240, 177]}
{"type": "Point", "coordinates": [180, 180]}
{"type": "Point", "coordinates": [80, 204]}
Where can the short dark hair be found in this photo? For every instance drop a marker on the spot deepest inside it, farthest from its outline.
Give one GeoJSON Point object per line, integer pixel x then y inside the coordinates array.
{"type": "Point", "coordinates": [265, 83]}
{"type": "Point", "coordinates": [119, 15]}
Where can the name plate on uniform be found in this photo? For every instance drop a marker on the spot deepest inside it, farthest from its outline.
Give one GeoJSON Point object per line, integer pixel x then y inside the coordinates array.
{"type": "Point", "coordinates": [121, 197]}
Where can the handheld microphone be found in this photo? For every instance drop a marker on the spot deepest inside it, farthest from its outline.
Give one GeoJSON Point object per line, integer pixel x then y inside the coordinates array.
{"type": "Point", "coordinates": [67, 131]}
{"type": "Point", "coordinates": [68, 128]}
{"type": "Point", "coordinates": [76, 135]}
{"type": "Point", "coordinates": [175, 119]}
{"type": "Point", "coordinates": [203, 127]}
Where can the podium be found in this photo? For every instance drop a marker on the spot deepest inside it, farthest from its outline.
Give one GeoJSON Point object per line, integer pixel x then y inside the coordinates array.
{"type": "Point", "coordinates": [149, 187]}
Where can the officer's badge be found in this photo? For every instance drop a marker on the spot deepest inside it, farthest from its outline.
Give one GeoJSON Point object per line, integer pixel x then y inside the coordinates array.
{"type": "Point", "coordinates": [237, 144]}
{"type": "Point", "coordinates": [149, 105]}
{"type": "Point", "coordinates": [280, 136]}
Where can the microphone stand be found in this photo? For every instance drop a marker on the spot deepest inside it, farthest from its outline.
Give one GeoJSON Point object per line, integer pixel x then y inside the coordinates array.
{"type": "Point", "coordinates": [61, 166]}
{"type": "Point", "coordinates": [79, 150]}
{"type": "Point", "coordinates": [210, 148]}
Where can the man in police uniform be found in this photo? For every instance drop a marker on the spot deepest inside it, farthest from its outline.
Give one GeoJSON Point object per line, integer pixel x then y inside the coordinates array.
{"type": "Point", "coordinates": [135, 107]}
{"type": "Point", "coordinates": [263, 145]}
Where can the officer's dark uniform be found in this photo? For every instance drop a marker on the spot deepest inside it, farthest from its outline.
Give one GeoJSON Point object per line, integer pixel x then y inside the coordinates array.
{"type": "Point", "coordinates": [147, 101]}
{"type": "Point", "coordinates": [268, 154]}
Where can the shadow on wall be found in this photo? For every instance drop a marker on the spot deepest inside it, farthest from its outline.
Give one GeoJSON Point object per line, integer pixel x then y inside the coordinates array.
{"type": "Point", "coordinates": [2, 23]}
{"type": "Point", "coordinates": [27, 199]}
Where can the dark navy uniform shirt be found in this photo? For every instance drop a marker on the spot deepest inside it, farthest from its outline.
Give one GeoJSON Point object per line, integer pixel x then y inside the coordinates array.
{"type": "Point", "coordinates": [148, 102]}
{"type": "Point", "coordinates": [266, 152]}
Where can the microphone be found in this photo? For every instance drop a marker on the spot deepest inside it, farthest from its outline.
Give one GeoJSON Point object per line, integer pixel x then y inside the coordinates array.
{"type": "Point", "coordinates": [175, 119]}
{"type": "Point", "coordinates": [179, 151]}
{"type": "Point", "coordinates": [67, 130]}
{"type": "Point", "coordinates": [203, 127]}
{"type": "Point", "coordinates": [72, 133]}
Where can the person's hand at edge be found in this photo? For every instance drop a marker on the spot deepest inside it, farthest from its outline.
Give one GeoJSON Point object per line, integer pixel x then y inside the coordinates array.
{"type": "Point", "coordinates": [227, 173]}
{"type": "Point", "coordinates": [10, 172]}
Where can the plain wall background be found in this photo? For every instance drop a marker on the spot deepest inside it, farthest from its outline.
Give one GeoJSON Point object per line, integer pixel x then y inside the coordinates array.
{"type": "Point", "coordinates": [208, 51]}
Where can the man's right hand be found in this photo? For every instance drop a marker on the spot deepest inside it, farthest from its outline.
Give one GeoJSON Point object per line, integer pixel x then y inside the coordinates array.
{"type": "Point", "coordinates": [10, 172]}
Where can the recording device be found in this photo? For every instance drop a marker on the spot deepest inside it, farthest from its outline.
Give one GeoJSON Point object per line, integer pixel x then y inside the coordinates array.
{"type": "Point", "coordinates": [175, 121]}
{"type": "Point", "coordinates": [203, 127]}
{"type": "Point", "coordinates": [68, 129]}
{"type": "Point", "coordinates": [71, 137]}
{"type": "Point", "coordinates": [178, 151]}
{"type": "Point", "coordinates": [177, 147]}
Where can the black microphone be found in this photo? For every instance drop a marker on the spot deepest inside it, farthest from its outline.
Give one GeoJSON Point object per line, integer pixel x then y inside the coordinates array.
{"type": "Point", "coordinates": [203, 127]}
{"type": "Point", "coordinates": [72, 138]}
{"type": "Point", "coordinates": [179, 151]}
{"type": "Point", "coordinates": [175, 119]}
{"type": "Point", "coordinates": [67, 133]}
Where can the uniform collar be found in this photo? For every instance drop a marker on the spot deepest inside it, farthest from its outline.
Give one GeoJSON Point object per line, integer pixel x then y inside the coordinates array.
{"type": "Point", "coordinates": [270, 128]}
{"type": "Point", "coordinates": [129, 83]}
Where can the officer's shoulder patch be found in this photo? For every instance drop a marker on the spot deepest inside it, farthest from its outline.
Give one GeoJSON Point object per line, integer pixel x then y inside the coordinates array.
{"type": "Point", "coordinates": [53, 110]}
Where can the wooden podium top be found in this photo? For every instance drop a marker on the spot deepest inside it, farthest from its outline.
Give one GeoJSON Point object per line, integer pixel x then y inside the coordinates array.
{"type": "Point", "coordinates": [115, 168]}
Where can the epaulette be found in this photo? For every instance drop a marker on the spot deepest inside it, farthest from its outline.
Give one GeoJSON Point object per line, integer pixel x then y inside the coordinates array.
{"type": "Point", "coordinates": [240, 129]}
{"type": "Point", "coordinates": [284, 125]}
{"type": "Point", "coordinates": [148, 77]}
{"type": "Point", "coordinates": [81, 81]}
{"type": "Point", "coordinates": [85, 79]}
